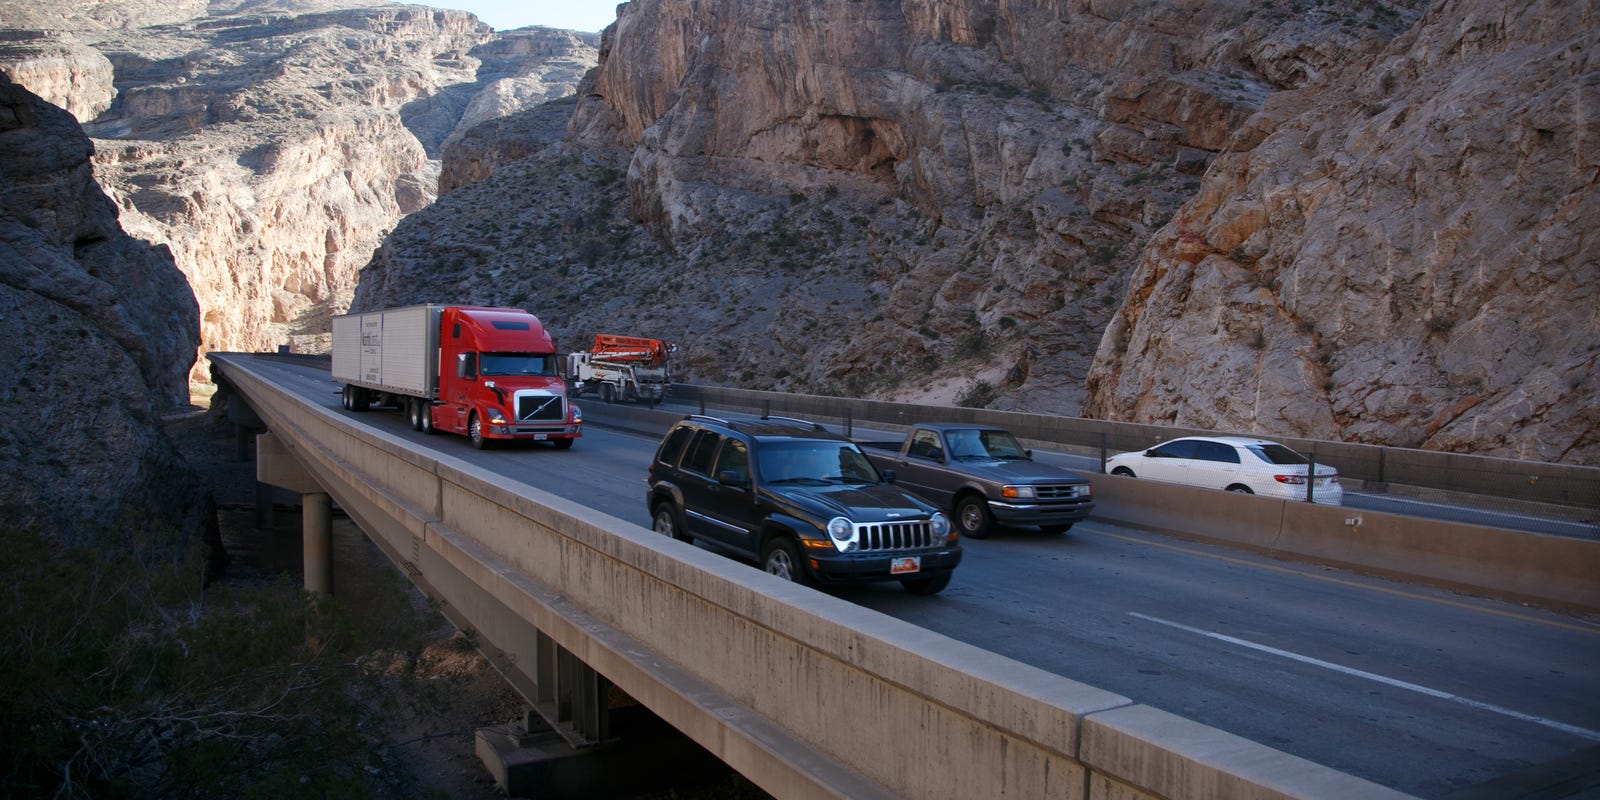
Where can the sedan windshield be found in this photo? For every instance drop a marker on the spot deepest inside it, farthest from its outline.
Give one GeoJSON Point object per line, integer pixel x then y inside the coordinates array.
{"type": "Point", "coordinates": [1276, 454]}
{"type": "Point", "coordinates": [818, 461]}
{"type": "Point", "coordinates": [516, 364]}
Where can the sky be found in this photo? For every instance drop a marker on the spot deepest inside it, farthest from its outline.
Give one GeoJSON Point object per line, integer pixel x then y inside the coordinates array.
{"type": "Point", "coordinates": [503, 15]}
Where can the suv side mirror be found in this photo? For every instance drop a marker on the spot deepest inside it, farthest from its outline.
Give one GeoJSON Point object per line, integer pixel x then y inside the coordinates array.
{"type": "Point", "coordinates": [729, 477]}
{"type": "Point", "coordinates": [888, 475]}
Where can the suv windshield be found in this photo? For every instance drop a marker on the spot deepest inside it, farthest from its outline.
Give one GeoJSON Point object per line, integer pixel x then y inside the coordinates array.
{"type": "Point", "coordinates": [516, 364]}
{"type": "Point", "coordinates": [814, 461]}
{"type": "Point", "coordinates": [1277, 454]}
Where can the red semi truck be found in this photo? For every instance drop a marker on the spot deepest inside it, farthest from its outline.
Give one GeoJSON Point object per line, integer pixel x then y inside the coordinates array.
{"type": "Point", "coordinates": [486, 373]}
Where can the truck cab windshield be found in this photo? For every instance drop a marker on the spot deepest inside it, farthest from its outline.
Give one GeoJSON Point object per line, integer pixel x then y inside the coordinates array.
{"type": "Point", "coordinates": [517, 364]}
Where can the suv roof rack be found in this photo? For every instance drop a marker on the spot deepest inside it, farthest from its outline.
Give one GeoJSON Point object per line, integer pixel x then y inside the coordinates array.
{"type": "Point", "coordinates": [706, 418]}
{"type": "Point", "coordinates": [803, 423]}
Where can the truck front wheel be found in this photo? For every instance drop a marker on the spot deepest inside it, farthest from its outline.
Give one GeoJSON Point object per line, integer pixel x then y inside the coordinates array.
{"type": "Point", "coordinates": [475, 433]}
{"type": "Point", "coordinates": [973, 517]}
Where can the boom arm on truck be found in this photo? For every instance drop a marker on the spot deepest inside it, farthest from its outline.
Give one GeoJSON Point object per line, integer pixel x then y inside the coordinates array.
{"type": "Point", "coordinates": [622, 367]}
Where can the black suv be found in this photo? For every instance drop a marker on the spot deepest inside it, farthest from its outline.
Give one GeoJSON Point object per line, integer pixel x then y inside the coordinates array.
{"type": "Point", "coordinates": [804, 502]}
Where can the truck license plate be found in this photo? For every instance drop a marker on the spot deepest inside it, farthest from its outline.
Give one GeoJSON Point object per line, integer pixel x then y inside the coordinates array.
{"type": "Point", "coordinates": [902, 566]}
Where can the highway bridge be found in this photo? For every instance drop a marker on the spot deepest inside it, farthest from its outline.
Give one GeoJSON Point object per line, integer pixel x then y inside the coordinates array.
{"type": "Point", "coordinates": [1117, 661]}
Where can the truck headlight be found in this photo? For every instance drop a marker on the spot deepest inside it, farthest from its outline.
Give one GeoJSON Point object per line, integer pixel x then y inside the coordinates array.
{"type": "Point", "coordinates": [495, 417]}
{"type": "Point", "coordinates": [940, 524]}
{"type": "Point", "coordinates": [577, 413]}
{"type": "Point", "coordinates": [1017, 492]}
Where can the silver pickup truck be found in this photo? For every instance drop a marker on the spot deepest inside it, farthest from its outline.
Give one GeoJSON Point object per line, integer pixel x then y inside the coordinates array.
{"type": "Point", "coordinates": [982, 475]}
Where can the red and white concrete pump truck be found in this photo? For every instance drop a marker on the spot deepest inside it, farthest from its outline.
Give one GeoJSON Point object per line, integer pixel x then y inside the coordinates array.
{"type": "Point", "coordinates": [487, 373]}
{"type": "Point", "coordinates": [622, 368]}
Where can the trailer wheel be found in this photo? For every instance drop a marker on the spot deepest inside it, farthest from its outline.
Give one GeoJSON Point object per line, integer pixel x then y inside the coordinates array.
{"type": "Point", "coordinates": [414, 413]}
{"type": "Point", "coordinates": [425, 416]}
{"type": "Point", "coordinates": [344, 398]}
{"type": "Point", "coordinates": [475, 432]}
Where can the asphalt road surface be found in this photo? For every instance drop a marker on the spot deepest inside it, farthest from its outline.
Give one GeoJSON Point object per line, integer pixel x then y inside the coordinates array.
{"type": "Point", "coordinates": [1426, 691]}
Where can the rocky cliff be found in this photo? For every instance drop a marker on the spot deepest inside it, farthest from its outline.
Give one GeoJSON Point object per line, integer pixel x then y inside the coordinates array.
{"type": "Point", "coordinates": [1408, 254]}
{"type": "Point", "coordinates": [1292, 218]}
{"type": "Point", "coordinates": [271, 146]}
{"type": "Point", "coordinates": [100, 329]}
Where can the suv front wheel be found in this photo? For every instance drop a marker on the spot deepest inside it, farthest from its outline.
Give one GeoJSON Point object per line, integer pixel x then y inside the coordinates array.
{"type": "Point", "coordinates": [780, 558]}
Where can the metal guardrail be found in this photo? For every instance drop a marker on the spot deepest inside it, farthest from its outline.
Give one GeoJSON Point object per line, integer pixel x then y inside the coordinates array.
{"type": "Point", "coordinates": [1380, 468]}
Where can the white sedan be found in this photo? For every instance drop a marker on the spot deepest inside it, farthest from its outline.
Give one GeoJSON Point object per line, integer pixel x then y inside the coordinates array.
{"type": "Point", "coordinates": [1234, 463]}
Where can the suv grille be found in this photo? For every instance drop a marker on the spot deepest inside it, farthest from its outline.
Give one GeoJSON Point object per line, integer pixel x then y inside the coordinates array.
{"type": "Point", "coordinates": [540, 408]}
{"type": "Point", "coordinates": [894, 535]}
{"type": "Point", "coordinates": [1063, 492]}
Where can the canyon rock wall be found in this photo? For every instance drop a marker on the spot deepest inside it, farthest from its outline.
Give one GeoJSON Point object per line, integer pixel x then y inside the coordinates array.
{"type": "Point", "coordinates": [1409, 254]}
{"type": "Point", "coordinates": [100, 328]}
{"type": "Point", "coordinates": [272, 145]}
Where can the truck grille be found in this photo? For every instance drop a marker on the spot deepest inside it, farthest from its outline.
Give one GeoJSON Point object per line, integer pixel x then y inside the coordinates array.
{"type": "Point", "coordinates": [540, 408]}
{"type": "Point", "coordinates": [894, 535]}
{"type": "Point", "coordinates": [1063, 492]}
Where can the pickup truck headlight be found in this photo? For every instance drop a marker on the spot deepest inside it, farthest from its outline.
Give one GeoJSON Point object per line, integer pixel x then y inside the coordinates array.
{"type": "Point", "coordinates": [940, 524]}
{"type": "Point", "coordinates": [1017, 492]}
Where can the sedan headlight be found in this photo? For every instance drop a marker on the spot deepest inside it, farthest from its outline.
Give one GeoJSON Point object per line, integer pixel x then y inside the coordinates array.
{"type": "Point", "coordinates": [1017, 492]}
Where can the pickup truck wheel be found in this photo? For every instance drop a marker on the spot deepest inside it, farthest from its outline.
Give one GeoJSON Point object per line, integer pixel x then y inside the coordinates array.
{"type": "Point", "coordinates": [925, 586]}
{"type": "Point", "coordinates": [973, 517]}
{"type": "Point", "coordinates": [666, 522]}
{"type": "Point", "coordinates": [1123, 471]}
{"type": "Point", "coordinates": [780, 558]}
{"type": "Point", "coordinates": [475, 433]}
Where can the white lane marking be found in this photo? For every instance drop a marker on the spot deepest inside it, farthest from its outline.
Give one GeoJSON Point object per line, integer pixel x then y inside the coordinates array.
{"type": "Point", "coordinates": [1387, 681]}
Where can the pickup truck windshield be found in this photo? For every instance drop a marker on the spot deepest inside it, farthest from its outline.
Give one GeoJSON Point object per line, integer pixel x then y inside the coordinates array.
{"type": "Point", "coordinates": [814, 462]}
{"type": "Point", "coordinates": [985, 445]}
{"type": "Point", "coordinates": [516, 364]}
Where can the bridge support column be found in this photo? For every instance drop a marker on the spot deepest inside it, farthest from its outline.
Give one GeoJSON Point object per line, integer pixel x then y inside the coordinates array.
{"type": "Point", "coordinates": [316, 521]}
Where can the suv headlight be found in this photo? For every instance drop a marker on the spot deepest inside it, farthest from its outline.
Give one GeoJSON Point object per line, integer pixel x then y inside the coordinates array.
{"type": "Point", "coordinates": [840, 529]}
{"type": "Point", "coordinates": [940, 524]}
{"type": "Point", "coordinates": [1017, 492]}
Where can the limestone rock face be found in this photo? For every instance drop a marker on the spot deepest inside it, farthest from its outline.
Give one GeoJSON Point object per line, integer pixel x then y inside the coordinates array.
{"type": "Point", "coordinates": [273, 145]}
{"type": "Point", "coordinates": [1406, 255]}
{"type": "Point", "coordinates": [977, 179]}
{"type": "Point", "coordinates": [100, 328]}
{"type": "Point", "coordinates": [60, 69]}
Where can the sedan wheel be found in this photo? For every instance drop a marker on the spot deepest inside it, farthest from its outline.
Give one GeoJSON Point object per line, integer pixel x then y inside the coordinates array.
{"type": "Point", "coordinates": [1240, 488]}
{"type": "Point", "coordinates": [1123, 471]}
